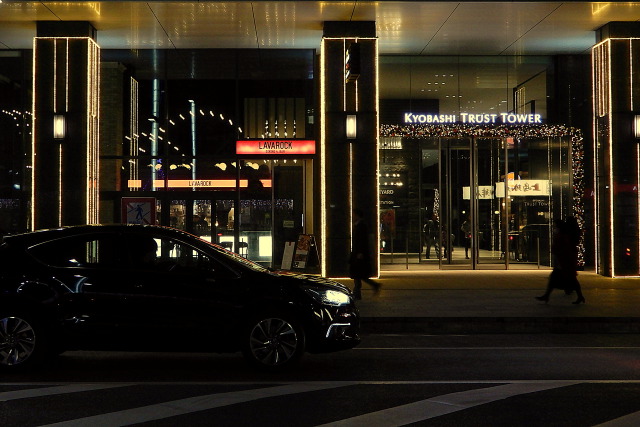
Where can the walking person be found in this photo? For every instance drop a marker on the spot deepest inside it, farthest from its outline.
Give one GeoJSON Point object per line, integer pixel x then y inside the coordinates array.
{"type": "Point", "coordinates": [564, 250]}
{"type": "Point", "coordinates": [360, 265]}
{"type": "Point", "coordinates": [466, 236]}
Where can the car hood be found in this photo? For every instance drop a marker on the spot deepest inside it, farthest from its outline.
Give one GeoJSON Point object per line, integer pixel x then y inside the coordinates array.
{"type": "Point", "coordinates": [315, 280]}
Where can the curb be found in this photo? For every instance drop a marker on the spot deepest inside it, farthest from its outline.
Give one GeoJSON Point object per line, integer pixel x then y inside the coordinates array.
{"type": "Point", "coordinates": [500, 325]}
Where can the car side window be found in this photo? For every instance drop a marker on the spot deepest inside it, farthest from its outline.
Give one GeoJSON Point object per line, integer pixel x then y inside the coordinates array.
{"type": "Point", "coordinates": [170, 255]}
{"type": "Point", "coordinates": [95, 251]}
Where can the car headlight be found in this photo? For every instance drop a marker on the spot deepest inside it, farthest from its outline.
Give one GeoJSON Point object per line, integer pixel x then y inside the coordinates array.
{"type": "Point", "coordinates": [328, 296]}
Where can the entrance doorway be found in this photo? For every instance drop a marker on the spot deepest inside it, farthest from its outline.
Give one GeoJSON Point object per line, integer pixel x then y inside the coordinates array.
{"type": "Point", "coordinates": [483, 202]}
{"type": "Point", "coordinates": [209, 218]}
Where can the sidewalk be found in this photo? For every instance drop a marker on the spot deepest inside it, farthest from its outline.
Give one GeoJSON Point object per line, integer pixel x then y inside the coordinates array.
{"type": "Point", "coordinates": [496, 301]}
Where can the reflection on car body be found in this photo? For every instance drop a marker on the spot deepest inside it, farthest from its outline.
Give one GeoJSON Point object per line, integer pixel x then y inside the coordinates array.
{"type": "Point", "coordinates": [124, 287]}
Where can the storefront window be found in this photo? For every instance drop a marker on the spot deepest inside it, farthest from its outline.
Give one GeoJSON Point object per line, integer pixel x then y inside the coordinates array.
{"type": "Point", "coordinates": [15, 142]}
{"type": "Point", "coordinates": [182, 115]}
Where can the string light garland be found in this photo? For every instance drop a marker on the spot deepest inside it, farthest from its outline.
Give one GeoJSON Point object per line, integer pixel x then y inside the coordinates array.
{"type": "Point", "coordinates": [517, 132]}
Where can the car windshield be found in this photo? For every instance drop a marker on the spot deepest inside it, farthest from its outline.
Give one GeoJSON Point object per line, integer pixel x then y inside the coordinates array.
{"type": "Point", "coordinates": [235, 257]}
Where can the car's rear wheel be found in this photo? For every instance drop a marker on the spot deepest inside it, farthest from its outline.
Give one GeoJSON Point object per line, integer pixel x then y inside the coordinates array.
{"type": "Point", "coordinates": [22, 342]}
{"type": "Point", "coordinates": [274, 342]}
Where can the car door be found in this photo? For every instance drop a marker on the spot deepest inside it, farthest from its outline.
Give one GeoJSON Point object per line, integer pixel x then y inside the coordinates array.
{"type": "Point", "coordinates": [188, 300]}
{"type": "Point", "coordinates": [96, 310]}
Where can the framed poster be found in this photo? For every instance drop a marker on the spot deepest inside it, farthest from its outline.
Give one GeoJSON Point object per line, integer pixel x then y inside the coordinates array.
{"type": "Point", "coordinates": [306, 253]}
{"type": "Point", "coordinates": [287, 255]}
{"type": "Point", "coordinates": [138, 210]}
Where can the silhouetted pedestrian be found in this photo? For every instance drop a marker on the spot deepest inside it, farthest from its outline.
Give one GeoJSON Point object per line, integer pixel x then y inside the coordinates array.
{"type": "Point", "coordinates": [360, 265]}
{"type": "Point", "coordinates": [564, 250]}
{"type": "Point", "coordinates": [430, 233]}
{"type": "Point", "coordinates": [466, 236]}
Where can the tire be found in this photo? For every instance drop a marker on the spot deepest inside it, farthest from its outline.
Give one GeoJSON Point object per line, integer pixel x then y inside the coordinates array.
{"type": "Point", "coordinates": [274, 343]}
{"type": "Point", "coordinates": [23, 342]}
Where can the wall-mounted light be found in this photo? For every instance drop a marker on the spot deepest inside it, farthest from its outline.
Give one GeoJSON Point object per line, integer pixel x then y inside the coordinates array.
{"type": "Point", "coordinates": [59, 126]}
{"type": "Point", "coordinates": [636, 126]}
{"type": "Point", "coordinates": [351, 126]}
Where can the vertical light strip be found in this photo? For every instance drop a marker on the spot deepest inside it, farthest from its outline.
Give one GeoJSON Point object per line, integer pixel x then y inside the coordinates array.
{"type": "Point", "coordinates": [595, 63]}
{"type": "Point", "coordinates": [34, 115]}
{"type": "Point", "coordinates": [631, 75]}
{"type": "Point", "coordinates": [377, 148]}
{"type": "Point", "coordinates": [344, 81]}
{"type": "Point", "coordinates": [356, 83]}
{"type": "Point", "coordinates": [638, 194]}
{"type": "Point", "coordinates": [344, 85]}
{"type": "Point", "coordinates": [323, 176]}
{"type": "Point", "coordinates": [66, 80]}
{"type": "Point", "coordinates": [89, 105]}
{"type": "Point", "coordinates": [631, 42]}
{"type": "Point", "coordinates": [350, 195]}
{"type": "Point", "coordinates": [55, 76]}
{"type": "Point", "coordinates": [93, 118]}
{"type": "Point", "coordinates": [193, 140]}
{"type": "Point", "coordinates": [55, 110]}
{"type": "Point", "coordinates": [97, 132]}
{"type": "Point", "coordinates": [59, 185]}
{"type": "Point", "coordinates": [89, 171]}
{"type": "Point", "coordinates": [155, 111]}
{"type": "Point", "coordinates": [133, 129]}
{"type": "Point", "coordinates": [611, 168]}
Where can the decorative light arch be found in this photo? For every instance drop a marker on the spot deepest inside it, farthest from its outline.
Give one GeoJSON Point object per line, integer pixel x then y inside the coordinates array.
{"type": "Point", "coordinates": [518, 132]}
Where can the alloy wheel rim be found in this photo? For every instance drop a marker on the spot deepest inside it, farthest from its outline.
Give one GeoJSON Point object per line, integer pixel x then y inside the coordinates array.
{"type": "Point", "coordinates": [273, 341]}
{"type": "Point", "coordinates": [17, 341]}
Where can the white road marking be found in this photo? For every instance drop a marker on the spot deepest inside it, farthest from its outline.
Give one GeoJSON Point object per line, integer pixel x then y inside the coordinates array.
{"type": "Point", "coordinates": [631, 420]}
{"type": "Point", "coordinates": [51, 391]}
{"type": "Point", "coordinates": [445, 404]}
{"type": "Point", "coordinates": [397, 416]}
{"type": "Point", "coordinates": [495, 348]}
{"type": "Point", "coordinates": [194, 404]}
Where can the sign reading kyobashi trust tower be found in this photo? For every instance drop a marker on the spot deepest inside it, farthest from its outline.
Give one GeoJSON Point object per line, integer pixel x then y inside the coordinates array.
{"type": "Point", "coordinates": [469, 118]}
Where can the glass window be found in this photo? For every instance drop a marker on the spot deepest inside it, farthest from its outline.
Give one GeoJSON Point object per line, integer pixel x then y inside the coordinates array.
{"type": "Point", "coordinates": [82, 251]}
{"type": "Point", "coordinates": [169, 255]}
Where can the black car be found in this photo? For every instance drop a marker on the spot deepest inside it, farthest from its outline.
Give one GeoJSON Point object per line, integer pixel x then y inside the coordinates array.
{"type": "Point", "coordinates": [139, 288]}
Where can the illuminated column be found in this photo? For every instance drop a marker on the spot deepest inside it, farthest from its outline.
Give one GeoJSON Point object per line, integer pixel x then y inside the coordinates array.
{"type": "Point", "coordinates": [616, 101]}
{"type": "Point", "coordinates": [65, 166]}
{"type": "Point", "coordinates": [349, 166]}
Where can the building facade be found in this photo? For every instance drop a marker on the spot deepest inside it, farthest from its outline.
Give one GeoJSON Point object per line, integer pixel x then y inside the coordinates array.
{"type": "Point", "coordinates": [457, 160]}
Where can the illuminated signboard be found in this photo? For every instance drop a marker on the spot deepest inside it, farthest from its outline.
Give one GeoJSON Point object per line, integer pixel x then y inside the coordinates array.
{"type": "Point", "coordinates": [483, 192]}
{"type": "Point", "coordinates": [517, 187]}
{"type": "Point", "coordinates": [476, 119]}
{"type": "Point", "coordinates": [261, 147]}
{"type": "Point", "coordinates": [524, 187]}
{"type": "Point", "coordinates": [198, 183]}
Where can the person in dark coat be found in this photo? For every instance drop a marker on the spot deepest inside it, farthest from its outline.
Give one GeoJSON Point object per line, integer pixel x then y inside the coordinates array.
{"type": "Point", "coordinates": [360, 264]}
{"type": "Point", "coordinates": [564, 250]}
{"type": "Point", "coordinates": [430, 232]}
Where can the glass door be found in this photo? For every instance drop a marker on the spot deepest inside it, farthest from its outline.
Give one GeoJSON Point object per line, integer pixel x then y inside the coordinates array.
{"type": "Point", "coordinates": [455, 216]}
{"type": "Point", "coordinates": [209, 218]}
{"type": "Point", "coordinates": [490, 202]}
{"type": "Point", "coordinates": [488, 211]}
{"type": "Point", "coordinates": [272, 207]}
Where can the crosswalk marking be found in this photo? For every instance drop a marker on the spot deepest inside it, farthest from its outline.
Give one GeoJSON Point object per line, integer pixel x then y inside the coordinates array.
{"type": "Point", "coordinates": [445, 404]}
{"type": "Point", "coordinates": [396, 416]}
{"type": "Point", "coordinates": [194, 404]}
{"type": "Point", "coordinates": [50, 391]}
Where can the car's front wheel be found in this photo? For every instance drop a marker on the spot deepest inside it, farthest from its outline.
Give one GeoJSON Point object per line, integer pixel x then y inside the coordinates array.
{"type": "Point", "coordinates": [274, 342]}
{"type": "Point", "coordinates": [21, 342]}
